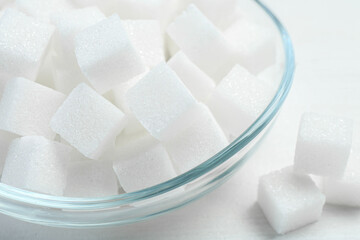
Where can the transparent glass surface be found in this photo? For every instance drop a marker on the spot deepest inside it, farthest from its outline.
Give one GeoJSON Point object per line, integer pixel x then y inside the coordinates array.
{"type": "Point", "coordinates": [159, 199]}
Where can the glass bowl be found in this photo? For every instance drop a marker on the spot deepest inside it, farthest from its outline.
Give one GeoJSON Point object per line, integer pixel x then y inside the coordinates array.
{"type": "Point", "coordinates": [132, 207]}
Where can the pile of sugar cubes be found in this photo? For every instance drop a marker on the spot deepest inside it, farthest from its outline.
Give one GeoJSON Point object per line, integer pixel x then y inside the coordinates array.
{"type": "Point", "coordinates": [327, 147]}
{"type": "Point", "coordinates": [103, 97]}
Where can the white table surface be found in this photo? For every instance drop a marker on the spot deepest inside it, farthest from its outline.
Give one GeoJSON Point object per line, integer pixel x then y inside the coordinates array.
{"type": "Point", "coordinates": [326, 35]}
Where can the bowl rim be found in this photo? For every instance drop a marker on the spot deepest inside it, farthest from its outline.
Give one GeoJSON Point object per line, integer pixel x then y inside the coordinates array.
{"type": "Point", "coordinates": [60, 202]}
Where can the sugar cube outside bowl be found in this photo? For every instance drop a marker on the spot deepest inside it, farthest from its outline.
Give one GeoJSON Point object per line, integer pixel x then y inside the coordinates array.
{"type": "Point", "coordinates": [192, 184]}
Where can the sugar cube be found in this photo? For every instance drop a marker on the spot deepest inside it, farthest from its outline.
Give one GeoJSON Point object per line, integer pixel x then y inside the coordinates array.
{"type": "Point", "coordinates": [323, 145]}
{"type": "Point", "coordinates": [202, 42]}
{"type": "Point", "coordinates": [147, 38]}
{"type": "Point", "coordinates": [238, 100]}
{"type": "Point", "coordinates": [88, 122]}
{"type": "Point", "coordinates": [346, 190]}
{"type": "Point", "coordinates": [289, 201]}
{"type": "Point", "coordinates": [106, 56]}
{"type": "Point", "coordinates": [37, 164]}
{"type": "Point", "coordinates": [91, 178]}
{"type": "Point", "coordinates": [254, 44]}
{"type": "Point", "coordinates": [42, 9]}
{"type": "Point", "coordinates": [196, 144]}
{"type": "Point", "coordinates": [343, 191]}
{"type": "Point", "coordinates": [26, 108]}
{"type": "Point", "coordinates": [161, 102]}
{"type": "Point", "coordinates": [200, 85]}
{"type": "Point", "coordinates": [142, 163]}
{"type": "Point", "coordinates": [23, 42]}
{"type": "Point", "coordinates": [5, 140]}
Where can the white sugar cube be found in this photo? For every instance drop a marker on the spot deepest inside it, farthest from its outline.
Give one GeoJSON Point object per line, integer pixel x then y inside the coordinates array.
{"type": "Point", "coordinates": [161, 102]}
{"type": "Point", "coordinates": [26, 108]}
{"type": "Point", "coordinates": [289, 201]}
{"type": "Point", "coordinates": [37, 164]}
{"type": "Point", "coordinates": [147, 38]}
{"type": "Point", "coordinates": [202, 42]}
{"type": "Point", "coordinates": [42, 9]}
{"type": "Point", "coordinates": [238, 100]}
{"type": "Point", "coordinates": [142, 163]}
{"type": "Point", "coordinates": [106, 56]}
{"type": "Point", "coordinates": [23, 42]}
{"type": "Point", "coordinates": [69, 23]}
{"type": "Point", "coordinates": [5, 140]}
{"type": "Point", "coordinates": [200, 84]}
{"type": "Point", "coordinates": [254, 44]}
{"type": "Point", "coordinates": [91, 178]}
{"type": "Point", "coordinates": [88, 122]}
{"type": "Point", "coordinates": [196, 144]}
{"type": "Point", "coordinates": [343, 191]}
{"type": "Point", "coordinates": [323, 145]}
